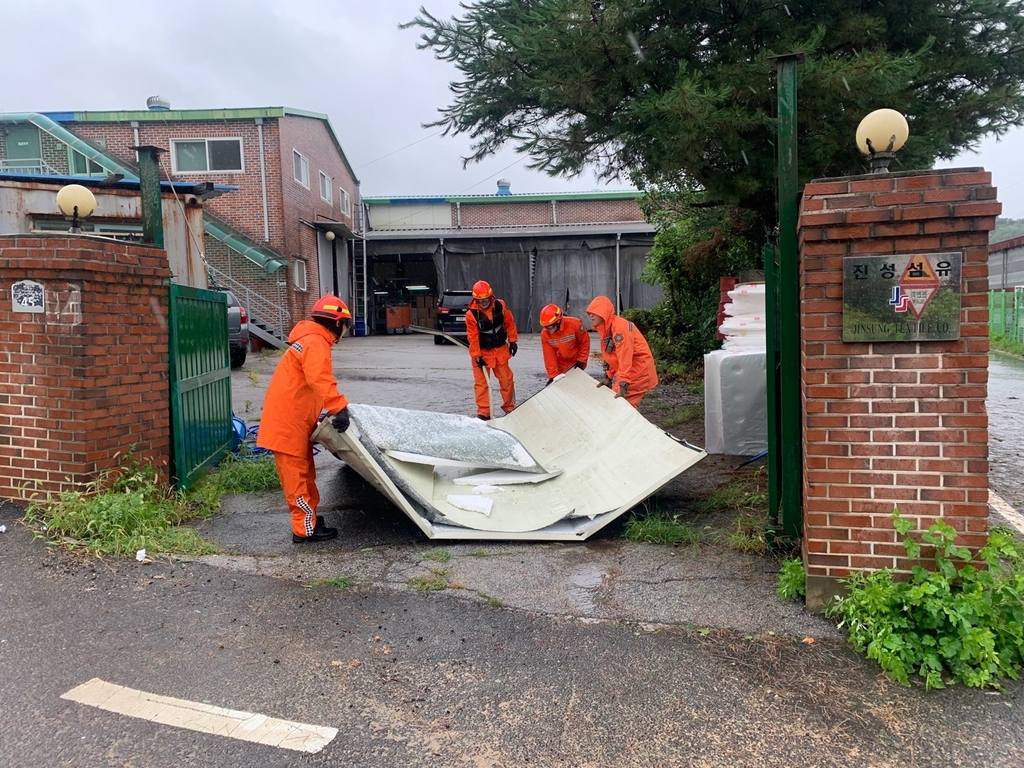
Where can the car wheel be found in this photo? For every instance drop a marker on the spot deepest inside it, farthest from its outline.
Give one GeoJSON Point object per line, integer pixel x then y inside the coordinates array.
{"type": "Point", "coordinates": [237, 358]}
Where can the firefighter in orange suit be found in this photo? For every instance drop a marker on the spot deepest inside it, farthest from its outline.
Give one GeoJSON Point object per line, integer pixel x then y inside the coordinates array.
{"type": "Point", "coordinates": [493, 340]}
{"type": "Point", "coordinates": [303, 385]}
{"type": "Point", "coordinates": [629, 364]}
{"type": "Point", "coordinates": [564, 341]}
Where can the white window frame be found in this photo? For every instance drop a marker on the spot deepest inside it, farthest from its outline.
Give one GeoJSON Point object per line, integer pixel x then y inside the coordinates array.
{"type": "Point", "coordinates": [326, 184]}
{"type": "Point", "coordinates": [299, 275]}
{"type": "Point", "coordinates": [304, 166]}
{"type": "Point", "coordinates": [346, 202]}
{"type": "Point", "coordinates": [102, 172]}
{"type": "Point", "coordinates": [206, 140]}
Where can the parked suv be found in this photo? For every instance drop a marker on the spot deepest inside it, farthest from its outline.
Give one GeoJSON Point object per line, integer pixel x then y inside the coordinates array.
{"type": "Point", "coordinates": [451, 314]}
{"type": "Point", "coordinates": [238, 328]}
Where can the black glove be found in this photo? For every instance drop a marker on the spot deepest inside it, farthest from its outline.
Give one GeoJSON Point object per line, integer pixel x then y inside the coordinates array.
{"type": "Point", "coordinates": [481, 362]}
{"type": "Point", "coordinates": [605, 382]}
{"type": "Point", "coordinates": [549, 381]}
{"type": "Point", "coordinates": [605, 366]}
{"type": "Point", "coordinates": [580, 365]}
{"type": "Point", "coordinates": [341, 420]}
{"type": "Point", "coordinates": [623, 387]}
{"type": "Point", "coordinates": [513, 348]}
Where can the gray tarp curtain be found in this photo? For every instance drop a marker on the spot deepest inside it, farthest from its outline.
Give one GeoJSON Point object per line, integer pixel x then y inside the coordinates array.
{"type": "Point", "coordinates": [566, 272]}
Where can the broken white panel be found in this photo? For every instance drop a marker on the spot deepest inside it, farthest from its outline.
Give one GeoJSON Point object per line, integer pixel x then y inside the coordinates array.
{"type": "Point", "coordinates": [444, 435]}
{"type": "Point", "coordinates": [611, 458]}
{"type": "Point", "coordinates": [471, 503]}
{"type": "Point", "coordinates": [504, 477]}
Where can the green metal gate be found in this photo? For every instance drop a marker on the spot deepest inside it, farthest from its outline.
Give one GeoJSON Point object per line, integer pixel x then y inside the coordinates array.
{"type": "Point", "coordinates": [1006, 314]}
{"type": "Point", "coordinates": [200, 382]}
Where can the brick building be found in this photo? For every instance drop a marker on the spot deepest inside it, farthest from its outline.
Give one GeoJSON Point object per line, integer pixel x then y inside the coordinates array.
{"type": "Point", "coordinates": [533, 248]}
{"type": "Point", "coordinates": [269, 241]}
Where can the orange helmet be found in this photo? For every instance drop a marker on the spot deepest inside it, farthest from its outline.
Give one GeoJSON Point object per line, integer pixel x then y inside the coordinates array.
{"type": "Point", "coordinates": [331, 308]}
{"type": "Point", "coordinates": [482, 290]}
{"type": "Point", "coordinates": [550, 315]}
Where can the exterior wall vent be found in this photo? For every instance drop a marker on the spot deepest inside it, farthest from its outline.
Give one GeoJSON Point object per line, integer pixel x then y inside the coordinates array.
{"type": "Point", "coordinates": [158, 104]}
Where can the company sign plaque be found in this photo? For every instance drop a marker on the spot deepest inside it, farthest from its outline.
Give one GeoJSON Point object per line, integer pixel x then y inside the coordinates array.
{"type": "Point", "coordinates": [910, 297]}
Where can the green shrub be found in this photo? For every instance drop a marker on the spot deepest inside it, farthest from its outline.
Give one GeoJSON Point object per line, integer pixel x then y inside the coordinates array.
{"type": "Point", "coordinates": [791, 583]}
{"type": "Point", "coordinates": [956, 623]}
{"type": "Point", "coordinates": [123, 511]}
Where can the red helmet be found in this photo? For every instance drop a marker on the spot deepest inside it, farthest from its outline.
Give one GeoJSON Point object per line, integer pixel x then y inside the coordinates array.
{"type": "Point", "coordinates": [550, 315]}
{"type": "Point", "coordinates": [482, 290]}
{"type": "Point", "coordinates": [331, 308]}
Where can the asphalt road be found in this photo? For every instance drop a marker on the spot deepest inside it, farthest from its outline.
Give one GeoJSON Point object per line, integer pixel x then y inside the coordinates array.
{"type": "Point", "coordinates": [597, 654]}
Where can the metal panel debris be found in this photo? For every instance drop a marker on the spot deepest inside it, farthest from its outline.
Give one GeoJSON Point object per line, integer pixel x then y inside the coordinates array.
{"type": "Point", "coordinates": [591, 458]}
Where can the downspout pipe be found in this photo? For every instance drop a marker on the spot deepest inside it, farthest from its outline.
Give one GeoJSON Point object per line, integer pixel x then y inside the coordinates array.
{"type": "Point", "coordinates": [263, 181]}
{"type": "Point", "coordinates": [618, 288]}
{"type": "Point", "coordinates": [65, 136]}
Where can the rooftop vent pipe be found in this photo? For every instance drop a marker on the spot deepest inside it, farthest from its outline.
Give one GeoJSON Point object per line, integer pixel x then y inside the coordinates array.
{"type": "Point", "coordinates": [158, 104]}
{"type": "Point", "coordinates": [504, 187]}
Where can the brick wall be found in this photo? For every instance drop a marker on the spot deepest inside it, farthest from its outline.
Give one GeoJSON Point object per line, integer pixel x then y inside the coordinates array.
{"type": "Point", "coordinates": [891, 424]}
{"type": "Point", "coordinates": [88, 378]}
{"type": "Point", "coordinates": [242, 208]}
{"type": "Point", "coordinates": [511, 212]}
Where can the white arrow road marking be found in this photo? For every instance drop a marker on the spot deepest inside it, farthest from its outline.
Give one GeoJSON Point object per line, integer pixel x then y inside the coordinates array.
{"type": "Point", "coordinates": [179, 713]}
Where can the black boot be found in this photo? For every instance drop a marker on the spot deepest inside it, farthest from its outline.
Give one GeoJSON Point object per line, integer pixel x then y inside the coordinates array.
{"type": "Point", "coordinates": [320, 533]}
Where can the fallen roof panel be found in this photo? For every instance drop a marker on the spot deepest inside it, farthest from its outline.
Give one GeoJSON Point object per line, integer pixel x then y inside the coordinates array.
{"type": "Point", "coordinates": [604, 456]}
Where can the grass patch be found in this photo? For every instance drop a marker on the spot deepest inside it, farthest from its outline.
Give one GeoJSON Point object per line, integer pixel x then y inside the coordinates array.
{"type": "Point", "coordinates": [748, 534]}
{"type": "Point", "coordinates": [746, 495]}
{"type": "Point", "coordinates": [697, 388]}
{"type": "Point", "coordinates": [244, 474]}
{"type": "Point", "coordinates": [123, 511]}
{"type": "Point", "coordinates": [683, 415]}
{"type": "Point", "coordinates": [436, 581]}
{"type": "Point", "coordinates": [1004, 344]}
{"type": "Point", "coordinates": [253, 377]}
{"type": "Point", "coordinates": [658, 527]}
{"type": "Point", "coordinates": [339, 582]}
{"type": "Point", "coordinates": [438, 555]}
{"type": "Point", "coordinates": [494, 602]}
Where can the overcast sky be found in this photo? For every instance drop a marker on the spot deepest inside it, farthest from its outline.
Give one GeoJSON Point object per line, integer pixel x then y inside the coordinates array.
{"type": "Point", "coordinates": [346, 59]}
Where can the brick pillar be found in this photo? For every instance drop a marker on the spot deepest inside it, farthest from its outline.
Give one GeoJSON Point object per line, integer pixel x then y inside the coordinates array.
{"type": "Point", "coordinates": [87, 378]}
{"type": "Point", "coordinates": [895, 423]}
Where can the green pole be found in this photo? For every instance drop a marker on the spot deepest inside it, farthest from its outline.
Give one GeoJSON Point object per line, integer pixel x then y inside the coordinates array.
{"type": "Point", "coordinates": [774, 469]}
{"type": "Point", "coordinates": [149, 186]}
{"type": "Point", "coordinates": [790, 419]}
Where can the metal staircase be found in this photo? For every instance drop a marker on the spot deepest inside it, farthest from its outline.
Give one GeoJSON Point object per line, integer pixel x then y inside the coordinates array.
{"type": "Point", "coordinates": [267, 320]}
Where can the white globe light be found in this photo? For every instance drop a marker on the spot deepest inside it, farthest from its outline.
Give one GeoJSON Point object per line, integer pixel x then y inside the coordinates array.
{"type": "Point", "coordinates": [75, 195]}
{"type": "Point", "coordinates": [329, 235]}
{"type": "Point", "coordinates": [882, 128]}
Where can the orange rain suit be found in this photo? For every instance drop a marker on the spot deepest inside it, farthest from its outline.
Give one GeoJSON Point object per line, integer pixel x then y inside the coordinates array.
{"type": "Point", "coordinates": [568, 346]}
{"type": "Point", "coordinates": [495, 358]}
{"type": "Point", "coordinates": [626, 352]}
{"type": "Point", "coordinates": [302, 386]}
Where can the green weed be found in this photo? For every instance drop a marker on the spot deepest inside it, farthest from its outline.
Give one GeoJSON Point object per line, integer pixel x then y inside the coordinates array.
{"type": "Point", "coordinates": [435, 582]}
{"type": "Point", "coordinates": [748, 534]}
{"type": "Point", "coordinates": [658, 527]}
{"type": "Point", "coordinates": [953, 623]}
{"type": "Point", "coordinates": [791, 583]}
{"type": "Point", "coordinates": [494, 602]}
{"type": "Point", "coordinates": [438, 555]}
{"type": "Point", "coordinates": [234, 475]}
{"type": "Point", "coordinates": [123, 511]}
{"type": "Point", "coordinates": [339, 582]}
{"type": "Point", "coordinates": [253, 377]}
{"type": "Point", "coordinates": [683, 415]}
{"type": "Point", "coordinates": [1006, 344]}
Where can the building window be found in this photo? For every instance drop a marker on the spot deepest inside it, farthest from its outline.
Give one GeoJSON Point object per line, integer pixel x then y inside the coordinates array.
{"type": "Point", "coordinates": [300, 274]}
{"type": "Point", "coordinates": [346, 203]}
{"type": "Point", "coordinates": [207, 155]}
{"type": "Point", "coordinates": [301, 169]}
{"type": "Point", "coordinates": [83, 166]}
{"type": "Point", "coordinates": [326, 191]}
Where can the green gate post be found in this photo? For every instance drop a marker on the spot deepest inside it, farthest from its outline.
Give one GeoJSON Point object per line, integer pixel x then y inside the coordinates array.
{"type": "Point", "coordinates": [789, 421]}
{"type": "Point", "coordinates": [771, 305]}
{"type": "Point", "coordinates": [149, 188]}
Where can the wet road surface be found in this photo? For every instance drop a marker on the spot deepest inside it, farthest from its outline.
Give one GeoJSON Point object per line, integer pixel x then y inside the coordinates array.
{"type": "Point", "coordinates": [1006, 428]}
